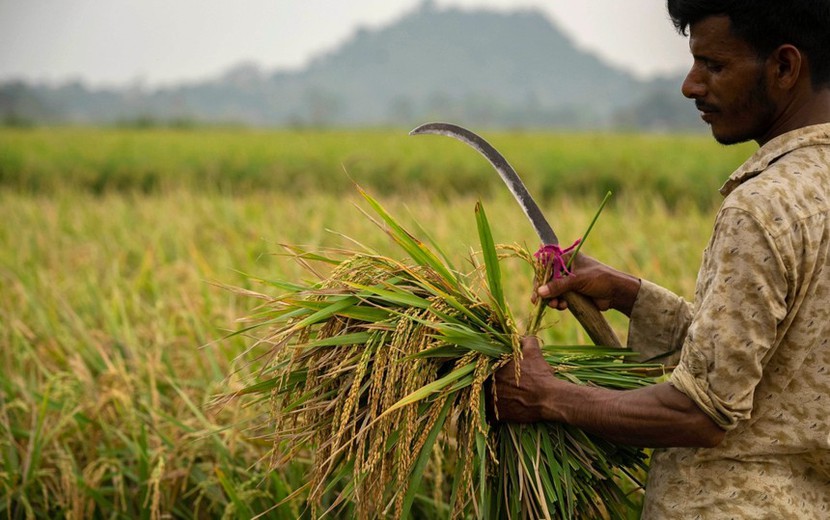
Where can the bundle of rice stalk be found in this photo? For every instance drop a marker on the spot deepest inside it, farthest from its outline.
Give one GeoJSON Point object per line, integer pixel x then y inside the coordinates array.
{"type": "Point", "coordinates": [376, 372]}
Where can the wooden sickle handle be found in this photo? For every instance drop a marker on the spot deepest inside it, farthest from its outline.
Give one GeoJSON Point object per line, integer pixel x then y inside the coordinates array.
{"type": "Point", "coordinates": [592, 320]}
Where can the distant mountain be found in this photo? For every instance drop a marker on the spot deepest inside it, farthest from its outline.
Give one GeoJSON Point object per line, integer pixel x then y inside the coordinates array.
{"type": "Point", "coordinates": [474, 67]}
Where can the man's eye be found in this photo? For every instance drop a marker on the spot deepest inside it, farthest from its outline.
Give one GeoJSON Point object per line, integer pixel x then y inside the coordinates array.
{"type": "Point", "coordinates": [712, 66]}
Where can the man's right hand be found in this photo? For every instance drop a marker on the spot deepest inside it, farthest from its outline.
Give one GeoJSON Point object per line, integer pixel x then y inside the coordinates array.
{"type": "Point", "coordinates": [607, 287]}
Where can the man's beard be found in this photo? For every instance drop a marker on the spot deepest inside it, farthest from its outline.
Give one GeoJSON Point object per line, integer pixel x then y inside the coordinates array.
{"type": "Point", "coordinates": [758, 102]}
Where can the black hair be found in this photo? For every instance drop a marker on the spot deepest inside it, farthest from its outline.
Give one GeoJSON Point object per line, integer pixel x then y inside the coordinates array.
{"type": "Point", "coordinates": [768, 24]}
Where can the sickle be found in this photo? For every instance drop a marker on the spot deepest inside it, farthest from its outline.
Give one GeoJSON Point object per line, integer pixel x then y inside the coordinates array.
{"type": "Point", "coordinates": [581, 307]}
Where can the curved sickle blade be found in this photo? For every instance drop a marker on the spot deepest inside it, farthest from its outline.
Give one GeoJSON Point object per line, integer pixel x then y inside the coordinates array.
{"type": "Point", "coordinates": [506, 172]}
{"type": "Point", "coordinates": [583, 309]}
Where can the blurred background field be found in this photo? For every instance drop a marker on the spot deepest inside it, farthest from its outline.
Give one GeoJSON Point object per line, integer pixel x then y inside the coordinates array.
{"type": "Point", "coordinates": [115, 245]}
{"type": "Point", "coordinates": [682, 169]}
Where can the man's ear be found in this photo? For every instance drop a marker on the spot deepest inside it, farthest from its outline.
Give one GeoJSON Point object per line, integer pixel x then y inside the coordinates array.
{"type": "Point", "coordinates": [789, 66]}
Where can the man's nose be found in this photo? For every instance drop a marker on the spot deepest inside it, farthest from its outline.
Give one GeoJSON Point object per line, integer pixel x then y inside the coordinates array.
{"type": "Point", "coordinates": [693, 86]}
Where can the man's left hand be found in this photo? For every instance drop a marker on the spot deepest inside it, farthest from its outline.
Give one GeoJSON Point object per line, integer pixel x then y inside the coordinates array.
{"type": "Point", "coordinates": [524, 401]}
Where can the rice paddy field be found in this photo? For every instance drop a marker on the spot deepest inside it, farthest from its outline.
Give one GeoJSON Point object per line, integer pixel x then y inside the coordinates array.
{"type": "Point", "coordinates": [125, 257]}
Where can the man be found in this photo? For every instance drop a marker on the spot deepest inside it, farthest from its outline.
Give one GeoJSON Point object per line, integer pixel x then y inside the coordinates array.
{"type": "Point", "coordinates": [742, 428]}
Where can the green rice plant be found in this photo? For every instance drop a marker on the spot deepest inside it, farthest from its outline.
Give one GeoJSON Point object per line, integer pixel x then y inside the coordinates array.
{"type": "Point", "coordinates": [378, 371]}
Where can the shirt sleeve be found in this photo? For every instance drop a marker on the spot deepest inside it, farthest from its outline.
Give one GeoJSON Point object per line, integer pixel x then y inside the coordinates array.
{"type": "Point", "coordinates": [659, 320]}
{"type": "Point", "coordinates": [740, 300]}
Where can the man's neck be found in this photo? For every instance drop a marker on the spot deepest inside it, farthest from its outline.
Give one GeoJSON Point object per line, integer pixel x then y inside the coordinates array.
{"type": "Point", "coordinates": [811, 108]}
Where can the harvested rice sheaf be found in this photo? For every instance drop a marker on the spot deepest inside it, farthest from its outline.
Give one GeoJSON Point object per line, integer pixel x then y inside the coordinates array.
{"type": "Point", "coordinates": [377, 372]}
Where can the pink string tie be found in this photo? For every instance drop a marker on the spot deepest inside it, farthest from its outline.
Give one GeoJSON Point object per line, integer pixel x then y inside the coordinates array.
{"type": "Point", "coordinates": [552, 254]}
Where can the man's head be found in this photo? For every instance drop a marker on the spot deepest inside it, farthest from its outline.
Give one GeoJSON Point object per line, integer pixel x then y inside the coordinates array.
{"type": "Point", "coordinates": [768, 24]}
{"type": "Point", "coordinates": [755, 62]}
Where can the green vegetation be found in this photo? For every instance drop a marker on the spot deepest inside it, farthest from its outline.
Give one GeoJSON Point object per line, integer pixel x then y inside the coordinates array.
{"type": "Point", "coordinates": [112, 318]}
{"type": "Point", "coordinates": [682, 169]}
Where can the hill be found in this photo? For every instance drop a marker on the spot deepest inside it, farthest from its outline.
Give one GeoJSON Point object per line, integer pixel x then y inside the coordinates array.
{"type": "Point", "coordinates": [475, 67]}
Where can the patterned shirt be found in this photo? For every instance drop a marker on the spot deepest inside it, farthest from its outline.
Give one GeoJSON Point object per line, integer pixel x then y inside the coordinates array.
{"type": "Point", "coordinates": [753, 351]}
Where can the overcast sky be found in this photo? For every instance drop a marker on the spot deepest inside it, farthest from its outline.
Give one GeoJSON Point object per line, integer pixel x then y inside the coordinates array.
{"type": "Point", "coordinates": [157, 42]}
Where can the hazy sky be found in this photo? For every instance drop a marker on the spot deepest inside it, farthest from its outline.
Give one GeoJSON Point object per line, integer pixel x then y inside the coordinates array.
{"type": "Point", "coordinates": [115, 42]}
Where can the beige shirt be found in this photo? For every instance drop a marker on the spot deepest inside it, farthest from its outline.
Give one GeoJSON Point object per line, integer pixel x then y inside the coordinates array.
{"type": "Point", "coordinates": [754, 348]}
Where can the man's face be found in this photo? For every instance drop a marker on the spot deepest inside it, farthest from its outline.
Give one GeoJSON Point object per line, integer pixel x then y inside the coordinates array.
{"type": "Point", "coordinates": [728, 84]}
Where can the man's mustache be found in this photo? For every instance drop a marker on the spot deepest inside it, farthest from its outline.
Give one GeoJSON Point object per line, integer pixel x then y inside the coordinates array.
{"type": "Point", "coordinates": [705, 107]}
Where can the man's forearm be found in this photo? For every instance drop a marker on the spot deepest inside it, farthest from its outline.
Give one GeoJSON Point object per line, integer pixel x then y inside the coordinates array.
{"type": "Point", "coordinates": [657, 416]}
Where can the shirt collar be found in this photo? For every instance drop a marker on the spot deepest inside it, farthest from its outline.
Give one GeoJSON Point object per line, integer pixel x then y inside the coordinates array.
{"type": "Point", "coordinates": [774, 149]}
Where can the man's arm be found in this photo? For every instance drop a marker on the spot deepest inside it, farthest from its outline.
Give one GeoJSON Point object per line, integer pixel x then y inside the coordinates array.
{"type": "Point", "coordinates": [655, 417]}
{"type": "Point", "coordinates": [659, 318]}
